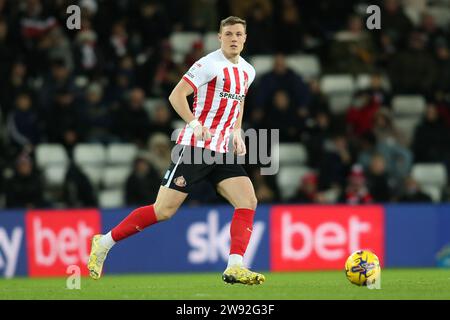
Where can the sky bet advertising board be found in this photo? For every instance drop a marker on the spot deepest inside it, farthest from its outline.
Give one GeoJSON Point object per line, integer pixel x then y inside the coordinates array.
{"type": "Point", "coordinates": [40, 243]}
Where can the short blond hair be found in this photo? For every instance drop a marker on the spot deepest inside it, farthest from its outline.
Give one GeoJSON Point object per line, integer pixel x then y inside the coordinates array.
{"type": "Point", "coordinates": [232, 20]}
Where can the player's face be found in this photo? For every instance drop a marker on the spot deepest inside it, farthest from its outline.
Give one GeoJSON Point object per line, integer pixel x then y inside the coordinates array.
{"type": "Point", "coordinates": [232, 39]}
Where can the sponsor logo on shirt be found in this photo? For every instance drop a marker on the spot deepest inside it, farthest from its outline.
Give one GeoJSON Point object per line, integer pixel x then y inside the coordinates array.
{"type": "Point", "coordinates": [233, 96]}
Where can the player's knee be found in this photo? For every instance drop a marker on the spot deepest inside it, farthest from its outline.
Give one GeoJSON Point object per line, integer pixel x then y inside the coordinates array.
{"type": "Point", "coordinates": [253, 203]}
{"type": "Point", "coordinates": [249, 203]}
{"type": "Point", "coordinates": [165, 212]}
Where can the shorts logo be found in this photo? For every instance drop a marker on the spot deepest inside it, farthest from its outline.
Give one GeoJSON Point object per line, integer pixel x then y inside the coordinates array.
{"type": "Point", "coordinates": [180, 181]}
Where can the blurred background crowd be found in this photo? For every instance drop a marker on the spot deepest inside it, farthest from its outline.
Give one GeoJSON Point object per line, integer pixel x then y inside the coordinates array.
{"type": "Point", "coordinates": [364, 115]}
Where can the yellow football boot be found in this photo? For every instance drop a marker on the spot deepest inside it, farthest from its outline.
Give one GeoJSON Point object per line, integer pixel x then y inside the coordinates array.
{"type": "Point", "coordinates": [239, 274]}
{"type": "Point", "coordinates": [96, 258]}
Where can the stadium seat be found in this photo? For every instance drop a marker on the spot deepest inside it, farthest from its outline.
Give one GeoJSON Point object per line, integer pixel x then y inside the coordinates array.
{"type": "Point", "coordinates": [181, 43]}
{"type": "Point", "coordinates": [427, 174]}
{"type": "Point", "coordinates": [337, 83]}
{"type": "Point", "coordinates": [441, 15]}
{"type": "Point", "coordinates": [262, 64]}
{"type": "Point", "coordinates": [408, 105]}
{"type": "Point", "coordinates": [406, 126]}
{"type": "Point", "coordinates": [121, 153]}
{"type": "Point", "coordinates": [290, 154]}
{"type": "Point", "coordinates": [48, 154]}
{"type": "Point", "coordinates": [339, 89]}
{"type": "Point", "coordinates": [308, 66]}
{"type": "Point", "coordinates": [151, 104]}
{"type": "Point", "coordinates": [178, 124]}
{"type": "Point", "coordinates": [211, 42]}
{"type": "Point", "coordinates": [94, 174]}
{"type": "Point", "coordinates": [55, 175]}
{"type": "Point", "coordinates": [89, 154]}
{"type": "Point", "coordinates": [111, 198]}
{"type": "Point", "coordinates": [115, 177]}
{"type": "Point", "coordinates": [433, 191]}
{"type": "Point", "coordinates": [362, 82]}
{"type": "Point", "coordinates": [289, 179]}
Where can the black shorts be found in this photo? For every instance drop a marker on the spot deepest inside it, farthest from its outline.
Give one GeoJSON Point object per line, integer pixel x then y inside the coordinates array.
{"type": "Point", "coordinates": [212, 166]}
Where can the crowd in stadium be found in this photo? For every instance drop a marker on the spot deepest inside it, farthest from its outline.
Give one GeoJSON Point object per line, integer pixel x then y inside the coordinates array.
{"type": "Point", "coordinates": [95, 85]}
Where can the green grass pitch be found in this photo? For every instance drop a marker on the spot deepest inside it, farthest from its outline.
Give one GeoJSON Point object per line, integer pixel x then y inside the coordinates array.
{"type": "Point", "coordinates": [395, 284]}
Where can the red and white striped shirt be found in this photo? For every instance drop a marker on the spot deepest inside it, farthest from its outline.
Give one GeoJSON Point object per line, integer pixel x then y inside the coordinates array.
{"type": "Point", "coordinates": [219, 88]}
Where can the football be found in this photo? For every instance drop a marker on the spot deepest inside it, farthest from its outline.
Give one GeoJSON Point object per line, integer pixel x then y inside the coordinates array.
{"type": "Point", "coordinates": [362, 268]}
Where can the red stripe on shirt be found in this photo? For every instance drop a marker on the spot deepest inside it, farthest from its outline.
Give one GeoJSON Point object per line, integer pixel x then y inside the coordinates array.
{"type": "Point", "coordinates": [233, 108]}
{"type": "Point", "coordinates": [238, 82]}
{"type": "Point", "coordinates": [222, 106]}
{"type": "Point", "coordinates": [207, 105]}
{"type": "Point", "coordinates": [245, 82]}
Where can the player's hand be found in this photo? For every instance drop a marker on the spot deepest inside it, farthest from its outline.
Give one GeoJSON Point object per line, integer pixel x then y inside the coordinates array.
{"type": "Point", "coordinates": [239, 146]}
{"type": "Point", "coordinates": [201, 133]}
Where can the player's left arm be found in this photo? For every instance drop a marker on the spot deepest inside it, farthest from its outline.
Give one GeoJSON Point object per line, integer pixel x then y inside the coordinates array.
{"type": "Point", "coordinates": [238, 143]}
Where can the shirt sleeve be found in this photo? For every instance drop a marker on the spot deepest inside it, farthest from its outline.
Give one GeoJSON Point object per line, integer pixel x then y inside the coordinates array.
{"type": "Point", "coordinates": [198, 74]}
{"type": "Point", "coordinates": [252, 75]}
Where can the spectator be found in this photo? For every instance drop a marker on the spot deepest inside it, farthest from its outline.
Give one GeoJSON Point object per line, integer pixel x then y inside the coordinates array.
{"type": "Point", "coordinates": [60, 78]}
{"type": "Point", "coordinates": [377, 89]}
{"type": "Point", "coordinates": [57, 46]}
{"type": "Point", "coordinates": [8, 50]}
{"type": "Point", "coordinates": [97, 116]}
{"type": "Point", "coordinates": [242, 8]}
{"type": "Point", "coordinates": [335, 162]}
{"type": "Point", "coordinates": [35, 24]}
{"type": "Point", "coordinates": [356, 191]}
{"type": "Point", "coordinates": [308, 190]}
{"type": "Point", "coordinates": [203, 15]}
{"type": "Point", "coordinates": [162, 119]}
{"type": "Point", "coordinates": [119, 39]}
{"type": "Point", "coordinates": [289, 32]}
{"type": "Point", "coordinates": [442, 53]}
{"type": "Point", "coordinates": [282, 78]}
{"type": "Point", "coordinates": [167, 73]}
{"type": "Point", "coordinates": [18, 81]}
{"type": "Point", "coordinates": [391, 143]}
{"type": "Point", "coordinates": [160, 149]}
{"type": "Point", "coordinates": [266, 188]}
{"type": "Point", "coordinates": [78, 191]}
{"type": "Point", "coordinates": [124, 79]}
{"type": "Point", "coordinates": [282, 114]}
{"type": "Point", "coordinates": [64, 118]}
{"type": "Point", "coordinates": [318, 101]}
{"type": "Point", "coordinates": [196, 53]}
{"type": "Point", "coordinates": [396, 24]}
{"type": "Point", "coordinates": [23, 125]}
{"type": "Point", "coordinates": [259, 30]}
{"type": "Point", "coordinates": [152, 25]}
{"type": "Point", "coordinates": [360, 116]}
{"type": "Point", "coordinates": [413, 71]}
{"type": "Point", "coordinates": [377, 179]}
{"type": "Point", "coordinates": [131, 121]}
{"type": "Point", "coordinates": [433, 33]}
{"type": "Point", "coordinates": [431, 138]}
{"type": "Point", "coordinates": [413, 193]}
{"type": "Point", "coordinates": [87, 54]}
{"type": "Point", "coordinates": [25, 187]}
{"type": "Point", "coordinates": [352, 50]}
{"type": "Point", "coordinates": [143, 184]}
{"type": "Point", "coordinates": [318, 131]}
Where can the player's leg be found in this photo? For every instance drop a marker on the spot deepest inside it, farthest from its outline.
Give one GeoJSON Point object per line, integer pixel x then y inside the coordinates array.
{"type": "Point", "coordinates": [240, 193]}
{"type": "Point", "coordinates": [167, 203]}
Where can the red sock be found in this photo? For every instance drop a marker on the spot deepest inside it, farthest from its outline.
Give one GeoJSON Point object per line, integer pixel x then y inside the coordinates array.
{"type": "Point", "coordinates": [136, 221]}
{"type": "Point", "coordinates": [241, 230]}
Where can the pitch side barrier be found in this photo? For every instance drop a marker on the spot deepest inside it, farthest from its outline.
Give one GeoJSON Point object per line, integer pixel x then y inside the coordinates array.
{"type": "Point", "coordinates": [39, 243]}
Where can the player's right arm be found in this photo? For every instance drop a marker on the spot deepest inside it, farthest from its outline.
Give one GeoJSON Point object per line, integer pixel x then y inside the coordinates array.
{"type": "Point", "coordinates": [178, 100]}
